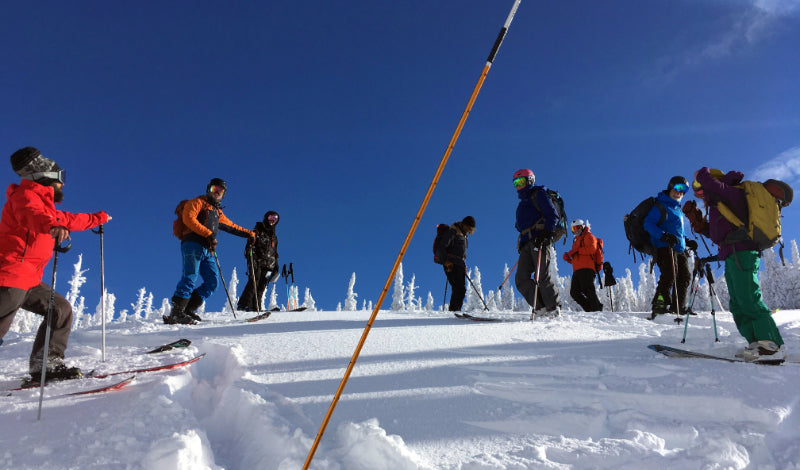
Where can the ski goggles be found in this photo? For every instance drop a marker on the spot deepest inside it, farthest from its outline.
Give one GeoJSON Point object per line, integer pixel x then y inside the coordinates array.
{"type": "Point", "coordinates": [216, 189]}
{"type": "Point", "coordinates": [696, 186]}
{"type": "Point", "coordinates": [576, 229]}
{"type": "Point", "coordinates": [521, 182]}
{"type": "Point", "coordinates": [681, 188]}
{"type": "Point", "coordinates": [51, 175]}
{"type": "Point", "coordinates": [272, 218]}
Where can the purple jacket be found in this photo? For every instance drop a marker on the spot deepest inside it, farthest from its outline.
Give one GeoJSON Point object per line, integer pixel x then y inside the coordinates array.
{"type": "Point", "coordinates": [724, 191]}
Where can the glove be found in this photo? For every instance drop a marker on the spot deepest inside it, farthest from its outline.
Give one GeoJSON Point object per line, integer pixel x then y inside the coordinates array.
{"type": "Point", "coordinates": [567, 258]}
{"type": "Point", "coordinates": [669, 239]}
{"type": "Point", "coordinates": [543, 239]}
{"type": "Point", "coordinates": [692, 245]}
{"type": "Point", "coordinates": [211, 243]}
{"type": "Point", "coordinates": [698, 222]}
{"type": "Point", "coordinates": [448, 266]}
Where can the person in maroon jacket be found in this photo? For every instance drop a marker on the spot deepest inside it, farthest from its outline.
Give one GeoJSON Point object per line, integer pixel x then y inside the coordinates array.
{"type": "Point", "coordinates": [742, 260]}
{"type": "Point", "coordinates": [30, 228]}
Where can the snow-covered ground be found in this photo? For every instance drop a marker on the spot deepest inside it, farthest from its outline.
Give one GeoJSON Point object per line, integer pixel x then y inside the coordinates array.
{"type": "Point", "coordinates": [429, 391]}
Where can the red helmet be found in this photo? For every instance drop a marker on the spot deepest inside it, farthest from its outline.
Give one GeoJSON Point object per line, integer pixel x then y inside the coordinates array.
{"type": "Point", "coordinates": [523, 173]}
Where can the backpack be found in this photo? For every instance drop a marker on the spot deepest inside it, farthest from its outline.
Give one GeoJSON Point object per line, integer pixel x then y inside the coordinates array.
{"type": "Point", "coordinates": [562, 224]}
{"type": "Point", "coordinates": [598, 255]}
{"type": "Point", "coordinates": [762, 224]}
{"type": "Point", "coordinates": [441, 229]}
{"type": "Point", "coordinates": [638, 237]}
{"type": "Point", "coordinates": [178, 227]}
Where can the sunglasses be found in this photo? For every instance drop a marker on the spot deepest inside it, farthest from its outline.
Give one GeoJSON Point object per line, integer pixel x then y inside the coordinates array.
{"type": "Point", "coordinates": [521, 182]}
{"type": "Point", "coordinates": [681, 188]}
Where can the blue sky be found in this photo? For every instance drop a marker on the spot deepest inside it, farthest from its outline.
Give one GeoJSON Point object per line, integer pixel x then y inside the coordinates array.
{"type": "Point", "coordinates": [336, 115]}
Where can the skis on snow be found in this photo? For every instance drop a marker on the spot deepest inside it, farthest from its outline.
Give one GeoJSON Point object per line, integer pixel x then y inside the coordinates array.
{"type": "Point", "coordinates": [171, 366]}
{"type": "Point", "coordinates": [669, 351]}
{"type": "Point", "coordinates": [266, 314]}
{"type": "Point", "coordinates": [181, 343]}
{"type": "Point", "coordinates": [29, 383]}
{"type": "Point", "coordinates": [467, 316]}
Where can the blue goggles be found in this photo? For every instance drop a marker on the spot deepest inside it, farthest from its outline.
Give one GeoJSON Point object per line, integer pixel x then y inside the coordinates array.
{"type": "Point", "coordinates": [681, 188]}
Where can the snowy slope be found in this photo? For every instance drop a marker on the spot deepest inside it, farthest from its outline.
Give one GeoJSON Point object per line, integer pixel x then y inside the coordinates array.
{"type": "Point", "coordinates": [429, 391]}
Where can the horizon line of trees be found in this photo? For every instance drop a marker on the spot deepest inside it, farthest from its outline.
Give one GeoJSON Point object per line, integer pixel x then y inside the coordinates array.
{"type": "Point", "coordinates": [780, 287]}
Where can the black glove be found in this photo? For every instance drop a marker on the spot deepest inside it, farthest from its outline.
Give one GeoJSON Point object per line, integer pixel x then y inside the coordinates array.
{"type": "Point", "coordinates": [543, 239]}
{"type": "Point", "coordinates": [609, 272]}
{"type": "Point", "coordinates": [211, 243]}
{"type": "Point", "coordinates": [669, 239]}
{"type": "Point", "coordinates": [692, 245]}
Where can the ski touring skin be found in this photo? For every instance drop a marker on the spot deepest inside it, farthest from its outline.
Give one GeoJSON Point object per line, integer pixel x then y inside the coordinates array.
{"type": "Point", "coordinates": [107, 388]}
{"type": "Point", "coordinates": [27, 384]}
{"type": "Point", "coordinates": [669, 351]}
{"type": "Point", "coordinates": [171, 366]}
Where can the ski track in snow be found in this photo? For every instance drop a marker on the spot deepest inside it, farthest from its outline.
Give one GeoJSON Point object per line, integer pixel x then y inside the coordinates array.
{"type": "Point", "coordinates": [429, 391]}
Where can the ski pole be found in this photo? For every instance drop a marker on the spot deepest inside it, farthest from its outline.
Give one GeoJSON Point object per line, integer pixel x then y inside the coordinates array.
{"type": "Point", "coordinates": [713, 293]}
{"type": "Point", "coordinates": [100, 232]}
{"type": "Point", "coordinates": [49, 319]}
{"type": "Point", "coordinates": [536, 279]}
{"type": "Point", "coordinates": [410, 235]}
{"type": "Point", "coordinates": [690, 304]}
{"type": "Point", "coordinates": [255, 286]}
{"type": "Point", "coordinates": [444, 301]}
{"type": "Point", "coordinates": [678, 318]}
{"type": "Point", "coordinates": [222, 278]}
{"type": "Point", "coordinates": [504, 280]}
{"type": "Point", "coordinates": [485, 307]}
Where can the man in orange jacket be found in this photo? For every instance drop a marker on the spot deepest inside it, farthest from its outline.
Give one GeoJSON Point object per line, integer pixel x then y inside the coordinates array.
{"type": "Point", "coordinates": [586, 258]}
{"type": "Point", "coordinates": [30, 226]}
{"type": "Point", "coordinates": [202, 218]}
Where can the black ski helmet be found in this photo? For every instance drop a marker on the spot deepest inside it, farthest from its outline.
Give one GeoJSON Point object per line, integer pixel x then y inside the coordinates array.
{"type": "Point", "coordinates": [269, 213]}
{"type": "Point", "coordinates": [217, 182]}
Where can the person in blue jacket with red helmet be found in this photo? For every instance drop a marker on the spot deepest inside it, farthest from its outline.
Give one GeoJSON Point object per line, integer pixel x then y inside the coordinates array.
{"type": "Point", "coordinates": [536, 222]}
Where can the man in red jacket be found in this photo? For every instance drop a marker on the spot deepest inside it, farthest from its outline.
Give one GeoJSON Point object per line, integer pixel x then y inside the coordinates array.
{"type": "Point", "coordinates": [30, 226]}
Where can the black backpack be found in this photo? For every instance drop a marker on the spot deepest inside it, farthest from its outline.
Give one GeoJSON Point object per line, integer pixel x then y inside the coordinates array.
{"type": "Point", "coordinates": [437, 242]}
{"type": "Point", "coordinates": [561, 226]}
{"type": "Point", "coordinates": [638, 237]}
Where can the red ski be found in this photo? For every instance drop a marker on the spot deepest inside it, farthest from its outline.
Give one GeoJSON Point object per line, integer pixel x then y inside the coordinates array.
{"type": "Point", "coordinates": [108, 388]}
{"type": "Point", "coordinates": [174, 365]}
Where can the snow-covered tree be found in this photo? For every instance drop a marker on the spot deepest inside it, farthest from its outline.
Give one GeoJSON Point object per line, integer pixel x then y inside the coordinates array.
{"type": "Point", "coordinates": [73, 296]}
{"type": "Point", "coordinates": [232, 286]}
{"type": "Point", "coordinates": [507, 300]}
{"type": "Point", "coordinates": [350, 302]}
{"type": "Point", "coordinates": [475, 296]}
{"type": "Point", "coordinates": [429, 305]}
{"type": "Point", "coordinates": [308, 301]}
{"type": "Point", "coordinates": [273, 297]}
{"type": "Point", "coordinates": [411, 288]}
{"type": "Point", "coordinates": [398, 299]}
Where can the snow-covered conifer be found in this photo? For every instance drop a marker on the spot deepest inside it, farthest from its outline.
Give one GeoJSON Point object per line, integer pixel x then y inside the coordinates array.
{"type": "Point", "coordinates": [350, 302]}
{"type": "Point", "coordinates": [398, 299]}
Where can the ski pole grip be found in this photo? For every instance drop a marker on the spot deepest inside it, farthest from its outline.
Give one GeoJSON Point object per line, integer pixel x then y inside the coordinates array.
{"type": "Point", "coordinates": [62, 248]}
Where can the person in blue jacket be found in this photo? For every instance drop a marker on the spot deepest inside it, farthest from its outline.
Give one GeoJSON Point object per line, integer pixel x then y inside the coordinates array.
{"type": "Point", "coordinates": [536, 223]}
{"type": "Point", "coordinates": [664, 223]}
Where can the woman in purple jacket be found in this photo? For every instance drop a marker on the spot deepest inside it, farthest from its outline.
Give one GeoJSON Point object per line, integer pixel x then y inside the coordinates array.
{"type": "Point", "coordinates": [742, 261]}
